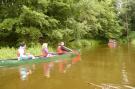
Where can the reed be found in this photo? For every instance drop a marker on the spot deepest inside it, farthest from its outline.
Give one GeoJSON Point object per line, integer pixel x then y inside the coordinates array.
{"type": "Point", "coordinates": [6, 53]}
{"type": "Point", "coordinates": [9, 53]}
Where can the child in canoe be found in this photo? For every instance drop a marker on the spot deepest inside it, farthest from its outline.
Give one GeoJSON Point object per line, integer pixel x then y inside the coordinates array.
{"type": "Point", "coordinates": [21, 53]}
{"type": "Point", "coordinates": [45, 52]}
{"type": "Point", "coordinates": [61, 49]}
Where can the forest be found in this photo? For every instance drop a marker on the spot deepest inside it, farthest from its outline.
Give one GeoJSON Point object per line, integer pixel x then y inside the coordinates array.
{"type": "Point", "coordinates": [52, 21]}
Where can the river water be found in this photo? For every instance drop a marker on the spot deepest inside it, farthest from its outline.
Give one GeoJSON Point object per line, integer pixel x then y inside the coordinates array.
{"type": "Point", "coordinates": [97, 68]}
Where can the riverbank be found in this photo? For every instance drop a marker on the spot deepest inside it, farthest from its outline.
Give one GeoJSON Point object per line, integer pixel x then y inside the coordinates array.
{"type": "Point", "coordinates": [9, 53]}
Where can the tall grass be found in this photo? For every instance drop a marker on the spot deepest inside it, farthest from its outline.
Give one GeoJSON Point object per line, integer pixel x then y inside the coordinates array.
{"type": "Point", "coordinates": [36, 50]}
{"type": "Point", "coordinates": [84, 43]}
{"type": "Point", "coordinates": [133, 41]}
{"type": "Point", "coordinates": [9, 53]}
{"type": "Point", "coordinates": [6, 53]}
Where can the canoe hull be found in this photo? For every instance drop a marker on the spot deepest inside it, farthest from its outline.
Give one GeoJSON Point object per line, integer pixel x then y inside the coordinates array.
{"type": "Point", "coordinates": [8, 63]}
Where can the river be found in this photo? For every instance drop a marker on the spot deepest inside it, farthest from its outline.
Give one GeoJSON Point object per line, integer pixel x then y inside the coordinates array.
{"type": "Point", "coordinates": [97, 68]}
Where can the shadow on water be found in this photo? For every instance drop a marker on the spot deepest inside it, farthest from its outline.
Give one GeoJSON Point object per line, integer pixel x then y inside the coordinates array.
{"type": "Point", "coordinates": [99, 68]}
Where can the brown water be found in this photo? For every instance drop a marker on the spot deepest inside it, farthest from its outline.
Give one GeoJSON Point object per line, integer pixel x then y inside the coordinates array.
{"type": "Point", "coordinates": [99, 68]}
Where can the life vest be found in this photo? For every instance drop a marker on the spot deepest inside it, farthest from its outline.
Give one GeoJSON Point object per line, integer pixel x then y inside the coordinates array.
{"type": "Point", "coordinates": [111, 45]}
{"type": "Point", "coordinates": [60, 50]}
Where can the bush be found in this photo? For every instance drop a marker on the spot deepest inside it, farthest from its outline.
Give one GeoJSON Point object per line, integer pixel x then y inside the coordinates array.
{"type": "Point", "coordinates": [84, 43]}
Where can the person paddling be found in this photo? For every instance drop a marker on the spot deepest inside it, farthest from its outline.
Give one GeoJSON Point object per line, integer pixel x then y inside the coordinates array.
{"type": "Point", "coordinates": [112, 43]}
{"type": "Point", "coordinates": [21, 53]}
{"type": "Point", "coordinates": [61, 49]}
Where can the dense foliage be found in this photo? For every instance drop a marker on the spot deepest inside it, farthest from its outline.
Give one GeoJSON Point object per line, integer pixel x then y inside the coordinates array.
{"type": "Point", "coordinates": [37, 21]}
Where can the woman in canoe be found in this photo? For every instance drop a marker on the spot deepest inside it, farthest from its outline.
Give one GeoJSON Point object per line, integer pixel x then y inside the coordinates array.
{"type": "Point", "coordinates": [45, 52]}
{"type": "Point", "coordinates": [21, 53]}
{"type": "Point", "coordinates": [61, 49]}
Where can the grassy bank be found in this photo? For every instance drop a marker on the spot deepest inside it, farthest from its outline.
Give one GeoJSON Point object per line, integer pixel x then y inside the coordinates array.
{"type": "Point", "coordinates": [85, 43]}
{"type": "Point", "coordinates": [8, 53]}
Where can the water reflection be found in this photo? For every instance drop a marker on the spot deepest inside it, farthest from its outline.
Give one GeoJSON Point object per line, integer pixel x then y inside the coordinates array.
{"type": "Point", "coordinates": [111, 68]}
{"type": "Point", "coordinates": [47, 67]}
{"type": "Point", "coordinates": [100, 68]}
{"type": "Point", "coordinates": [124, 74]}
{"type": "Point", "coordinates": [63, 65]}
{"type": "Point", "coordinates": [26, 71]}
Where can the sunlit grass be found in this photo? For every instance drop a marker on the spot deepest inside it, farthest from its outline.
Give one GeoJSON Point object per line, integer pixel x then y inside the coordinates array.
{"type": "Point", "coordinates": [84, 43]}
{"type": "Point", "coordinates": [36, 50]}
{"type": "Point", "coordinates": [133, 41]}
{"type": "Point", "coordinates": [9, 53]}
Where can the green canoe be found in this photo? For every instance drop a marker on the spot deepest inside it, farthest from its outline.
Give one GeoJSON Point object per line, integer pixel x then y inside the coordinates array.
{"type": "Point", "coordinates": [15, 62]}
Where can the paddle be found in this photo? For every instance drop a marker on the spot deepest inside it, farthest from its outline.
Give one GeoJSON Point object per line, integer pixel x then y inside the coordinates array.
{"type": "Point", "coordinates": [67, 49]}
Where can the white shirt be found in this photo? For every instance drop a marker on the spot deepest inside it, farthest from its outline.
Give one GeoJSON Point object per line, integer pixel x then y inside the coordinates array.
{"type": "Point", "coordinates": [21, 51]}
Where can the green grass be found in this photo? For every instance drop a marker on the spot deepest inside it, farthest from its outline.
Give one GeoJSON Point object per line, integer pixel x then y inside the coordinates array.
{"type": "Point", "coordinates": [133, 41]}
{"type": "Point", "coordinates": [9, 53]}
{"type": "Point", "coordinates": [36, 50]}
{"type": "Point", "coordinates": [83, 43]}
{"type": "Point", "coordinates": [6, 53]}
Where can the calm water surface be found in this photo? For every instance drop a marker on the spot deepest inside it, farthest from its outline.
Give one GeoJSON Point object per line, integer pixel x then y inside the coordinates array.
{"type": "Point", "coordinates": [99, 68]}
